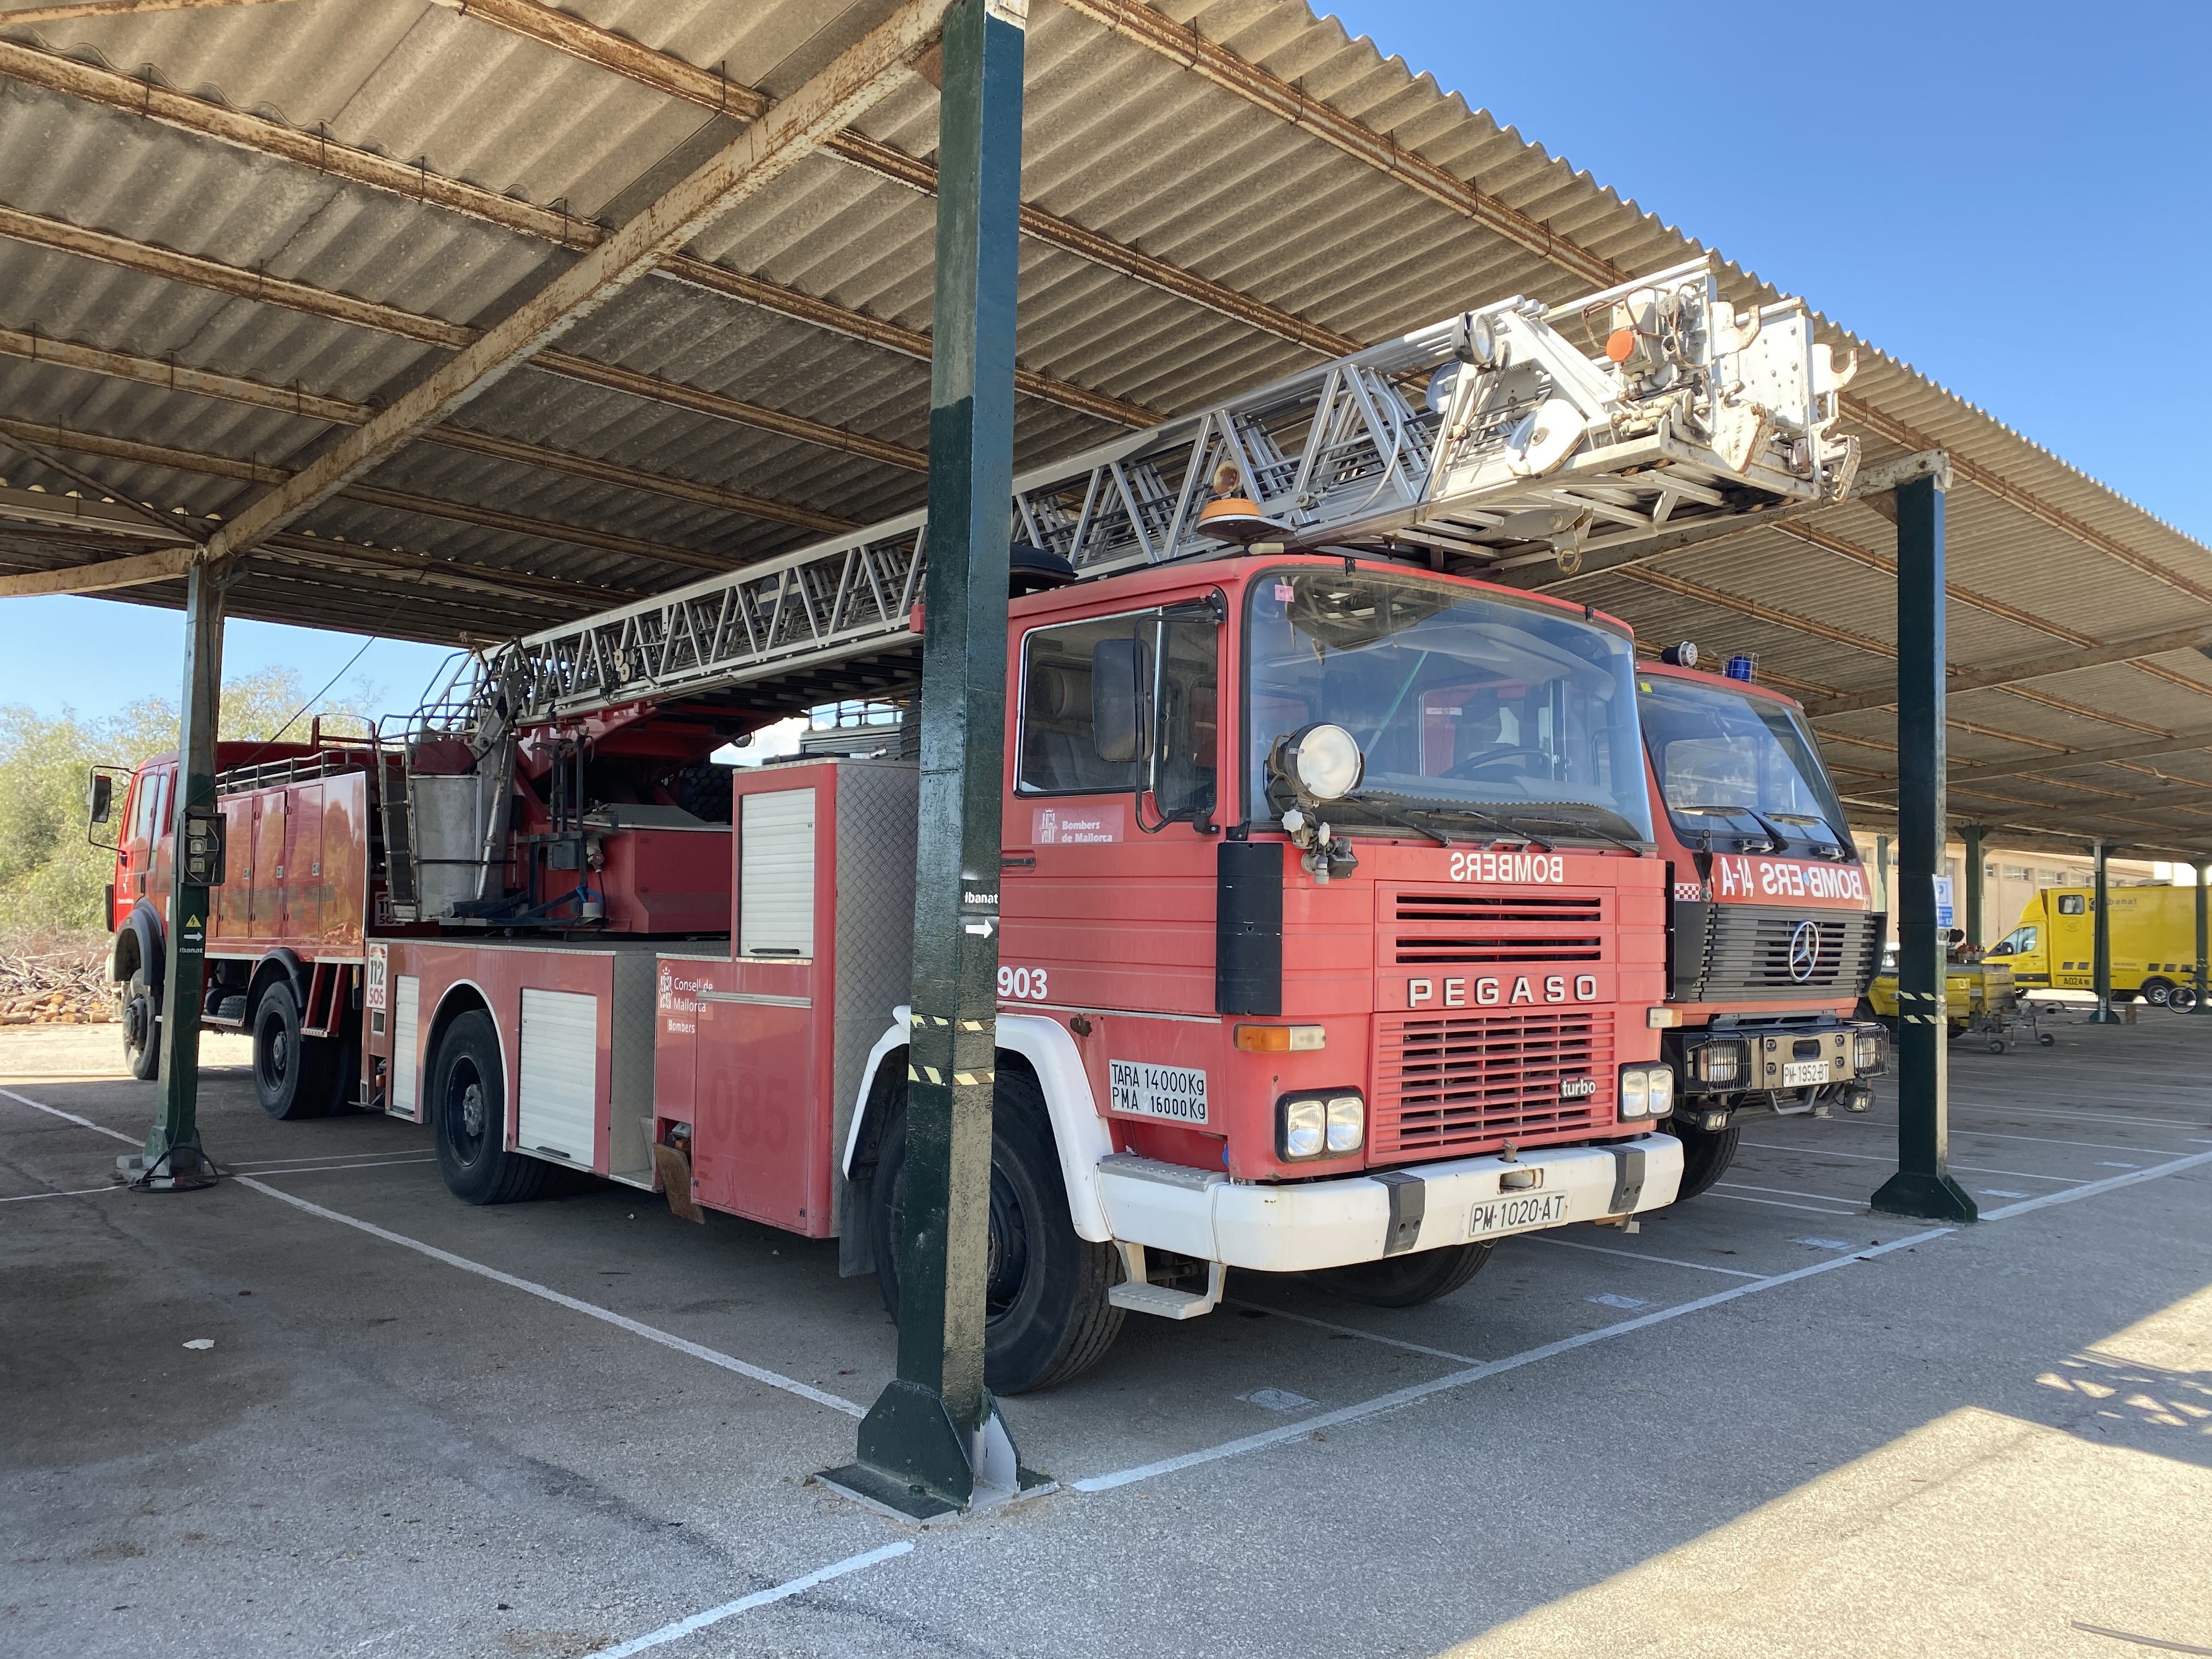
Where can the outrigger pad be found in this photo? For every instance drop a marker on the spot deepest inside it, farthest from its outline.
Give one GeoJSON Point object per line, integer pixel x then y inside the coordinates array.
{"type": "Point", "coordinates": [674, 1170]}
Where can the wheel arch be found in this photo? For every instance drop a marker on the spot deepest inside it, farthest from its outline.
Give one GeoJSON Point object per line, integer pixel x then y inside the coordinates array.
{"type": "Point", "coordinates": [463, 996]}
{"type": "Point", "coordinates": [281, 963]}
{"type": "Point", "coordinates": [139, 944]}
{"type": "Point", "coordinates": [1042, 1047]}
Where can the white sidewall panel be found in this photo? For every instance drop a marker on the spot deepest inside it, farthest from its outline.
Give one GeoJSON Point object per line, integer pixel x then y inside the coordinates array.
{"type": "Point", "coordinates": [556, 1110]}
{"type": "Point", "coordinates": [405, 1099]}
{"type": "Point", "coordinates": [775, 874]}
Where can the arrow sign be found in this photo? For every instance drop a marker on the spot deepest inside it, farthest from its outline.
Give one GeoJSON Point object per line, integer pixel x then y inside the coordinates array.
{"type": "Point", "coordinates": [982, 928]}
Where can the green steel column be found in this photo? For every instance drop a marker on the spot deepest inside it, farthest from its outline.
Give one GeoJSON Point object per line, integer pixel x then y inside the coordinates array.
{"type": "Point", "coordinates": [2100, 931]}
{"type": "Point", "coordinates": [173, 1146]}
{"type": "Point", "coordinates": [1922, 1185]}
{"type": "Point", "coordinates": [933, 1436]}
{"type": "Point", "coordinates": [1973, 836]}
{"type": "Point", "coordinates": [2204, 991]}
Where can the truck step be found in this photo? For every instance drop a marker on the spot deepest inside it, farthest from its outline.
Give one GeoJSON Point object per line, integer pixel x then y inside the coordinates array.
{"type": "Point", "coordinates": [1138, 1295]}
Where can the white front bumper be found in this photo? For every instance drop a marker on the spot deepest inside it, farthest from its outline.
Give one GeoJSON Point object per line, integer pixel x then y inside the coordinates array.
{"type": "Point", "coordinates": [1300, 1226]}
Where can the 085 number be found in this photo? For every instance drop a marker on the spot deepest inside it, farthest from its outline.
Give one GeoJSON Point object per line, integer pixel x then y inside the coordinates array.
{"type": "Point", "coordinates": [1024, 983]}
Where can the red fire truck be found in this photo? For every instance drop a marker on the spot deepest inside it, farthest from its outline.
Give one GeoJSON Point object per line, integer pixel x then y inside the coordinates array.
{"type": "Point", "coordinates": [1772, 935]}
{"type": "Point", "coordinates": [1333, 938]}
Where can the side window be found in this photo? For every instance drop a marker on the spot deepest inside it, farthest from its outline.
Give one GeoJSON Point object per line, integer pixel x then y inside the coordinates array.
{"type": "Point", "coordinates": [142, 807]}
{"type": "Point", "coordinates": [2072, 904]}
{"type": "Point", "coordinates": [1077, 675]}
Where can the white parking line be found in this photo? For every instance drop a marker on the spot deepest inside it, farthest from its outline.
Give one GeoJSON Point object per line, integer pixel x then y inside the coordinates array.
{"type": "Point", "coordinates": [86, 1122]}
{"type": "Point", "coordinates": [1782, 1192]}
{"type": "Point", "coordinates": [2095, 1186]}
{"type": "Point", "coordinates": [1870, 1158]}
{"type": "Point", "coordinates": [1407, 1396]}
{"type": "Point", "coordinates": [697, 1621]}
{"type": "Point", "coordinates": [326, 1168]}
{"type": "Point", "coordinates": [261, 1165]}
{"type": "Point", "coordinates": [1964, 1133]}
{"type": "Point", "coordinates": [1639, 1255]}
{"type": "Point", "coordinates": [621, 1321]}
{"type": "Point", "coordinates": [1773, 1203]}
{"type": "Point", "coordinates": [1353, 1330]}
{"type": "Point", "coordinates": [74, 1191]}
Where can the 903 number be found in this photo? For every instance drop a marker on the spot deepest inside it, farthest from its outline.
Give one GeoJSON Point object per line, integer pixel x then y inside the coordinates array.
{"type": "Point", "coordinates": [1025, 984]}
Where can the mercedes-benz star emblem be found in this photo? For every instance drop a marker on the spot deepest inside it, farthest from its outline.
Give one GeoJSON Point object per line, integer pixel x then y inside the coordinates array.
{"type": "Point", "coordinates": [1805, 951]}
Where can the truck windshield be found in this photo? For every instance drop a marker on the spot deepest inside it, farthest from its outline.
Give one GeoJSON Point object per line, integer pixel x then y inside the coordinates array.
{"type": "Point", "coordinates": [1475, 715]}
{"type": "Point", "coordinates": [1730, 764]}
{"type": "Point", "coordinates": [2019, 942]}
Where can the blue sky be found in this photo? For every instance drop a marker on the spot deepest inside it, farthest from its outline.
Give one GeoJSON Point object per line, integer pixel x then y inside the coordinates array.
{"type": "Point", "coordinates": [2011, 197]}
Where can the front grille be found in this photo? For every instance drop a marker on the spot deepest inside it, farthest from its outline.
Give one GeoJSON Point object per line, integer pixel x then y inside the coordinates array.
{"type": "Point", "coordinates": [1449, 929]}
{"type": "Point", "coordinates": [1758, 950]}
{"type": "Point", "coordinates": [1448, 1085]}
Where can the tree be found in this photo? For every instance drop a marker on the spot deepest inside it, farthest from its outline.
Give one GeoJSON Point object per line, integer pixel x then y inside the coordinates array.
{"type": "Point", "coordinates": [51, 877]}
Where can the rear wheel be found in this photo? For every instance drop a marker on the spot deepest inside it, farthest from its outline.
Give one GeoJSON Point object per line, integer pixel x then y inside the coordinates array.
{"type": "Point", "coordinates": [1046, 1316]}
{"type": "Point", "coordinates": [142, 1028]}
{"type": "Point", "coordinates": [291, 1072]}
{"type": "Point", "coordinates": [468, 1106]}
{"type": "Point", "coordinates": [1705, 1156]}
{"type": "Point", "coordinates": [1405, 1281]}
{"type": "Point", "coordinates": [2157, 992]}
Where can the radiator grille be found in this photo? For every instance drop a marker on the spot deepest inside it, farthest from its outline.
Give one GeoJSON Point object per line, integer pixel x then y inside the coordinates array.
{"type": "Point", "coordinates": [1447, 1085]}
{"type": "Point", "coordinates": [1446, 929]}
{"type": "Point", "coordinates": [1753, 950]}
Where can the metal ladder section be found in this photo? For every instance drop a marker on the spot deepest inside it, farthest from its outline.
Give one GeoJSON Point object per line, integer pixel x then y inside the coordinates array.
{"type": "Point", "coordinates": [1488, 440]}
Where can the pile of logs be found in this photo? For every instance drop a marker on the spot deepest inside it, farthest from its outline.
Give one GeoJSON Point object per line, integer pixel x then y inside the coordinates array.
{"type": "Point", "coordinates": [55, 982]}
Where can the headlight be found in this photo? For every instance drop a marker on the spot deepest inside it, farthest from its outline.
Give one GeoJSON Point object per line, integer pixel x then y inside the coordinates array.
{"type": "Point", "coordinates": [1326, 761]}
{"type": "Point", "coordinates": [1635, 1092]}
{"type": "Point", "coordinates": [1305, 1127]}
{"type": "Point", "coordinates": [1662, 1091]}
{"type": "Point", "coordinates": [1347, 1123]}
{"type": "Point", "coordinates": [1719, 1062]}
{"type": "Point", "coordinates": [1867, 1052]}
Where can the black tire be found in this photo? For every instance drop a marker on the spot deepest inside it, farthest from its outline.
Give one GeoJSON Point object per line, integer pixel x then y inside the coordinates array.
{"type": "Point", "coordinates": [1405, 1281]}
{"type": "Point", "coordinates": [468, 1118]}
{"type": "Point", "coordinates": [1047, 1318]}
{"type": "Point", "coordinates": [1705, 1156]}
{"type": "Point", "coordinates": [291, 1072]}
{"type": "Point", "coordinates": [2158, 992]}
{"type": "Point", "coordinates": [142, 1028]}
{"type": "Point", "coordinates": [2048, 1039]}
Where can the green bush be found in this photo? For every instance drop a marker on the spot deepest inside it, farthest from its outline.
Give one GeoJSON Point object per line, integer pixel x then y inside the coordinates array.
{"type": "Point", "coordinates": [51, 877]}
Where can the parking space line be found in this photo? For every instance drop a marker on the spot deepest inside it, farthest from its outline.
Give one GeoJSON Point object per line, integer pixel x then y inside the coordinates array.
{"type": "Point", "coordinates": [1407, 1396]}
{"type": "Point", "coordinates": [326, 1168]}
{"type": "Point", "coordinates": [85, 1122]}
{"type": "Point", "coordinates": [1870, 1158]}
{"type": "Point", "coordinates": [2090, 1112]}
{"type": "Point", "coordinates": [1353, 1330]}
{"type": "Point", "coordinates": [1781, 1192]}
{"type": "Point", "coordinates": [698, 1621]}
{"type": "Point", "coordinates": [1773, 1203]}
{"type": "Point", "coordinates": [621, 1321]}
{"type": "Point", "coordinates": [76, 1192]}
{"type": "Point", "coordinates": [1639, 1255]}
{"type": "Point", "coordinates": [2095, 1186]}
{"type": "Point", "coordinates": [262, 1165]}
{"type": "Point", "coordinates": [1963, 1133]}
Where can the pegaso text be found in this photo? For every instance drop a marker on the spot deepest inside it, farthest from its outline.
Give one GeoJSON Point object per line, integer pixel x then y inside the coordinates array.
{"type": "Point", "coordinates": [1491, 993]}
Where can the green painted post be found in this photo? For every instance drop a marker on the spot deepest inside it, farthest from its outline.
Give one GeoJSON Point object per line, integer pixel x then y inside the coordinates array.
{"type": "Point", "coordinates": [1923, 1185]}
{"type": "Point", "coordinates": [935, 1442]}
{"type": "Point", "coordinates": [1973, 836]}
{"type": "Point", "coordinates": [2203, 992]}
{"type": "Point", "coordinates": [173, 1149]}
{"type": "Point", "coordinates": [2101, 932]}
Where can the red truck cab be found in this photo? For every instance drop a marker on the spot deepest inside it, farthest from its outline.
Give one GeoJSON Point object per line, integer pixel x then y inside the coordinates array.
{"type": "Point", "coordinates": [1772, 935]}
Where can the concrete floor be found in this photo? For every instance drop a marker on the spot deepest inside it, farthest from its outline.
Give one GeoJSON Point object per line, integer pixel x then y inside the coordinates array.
{"type": "Point", "coordinates": [1770, 1423]}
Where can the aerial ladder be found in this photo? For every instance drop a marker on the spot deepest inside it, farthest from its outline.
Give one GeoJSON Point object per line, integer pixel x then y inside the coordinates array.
{"type": "Point", "coordinates": [1480, 444]}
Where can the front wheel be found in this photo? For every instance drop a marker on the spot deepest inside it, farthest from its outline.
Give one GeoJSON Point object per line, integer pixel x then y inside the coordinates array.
{"type": "Point", "coordinates": [1046, 1313]}
{"type": "Point", "coordinates": [1705, 1156]}
{"type": "Point", "coordinates": [468, 1108]}
{"type": "Point", "coordinates": [2159, 993]}
{"type": "Point", "coordinates": [142, 1028]}
{"type": "Point", "coordinates": [1405, 1281]}
{"type": "Point", "coordinates": [291, 1072]}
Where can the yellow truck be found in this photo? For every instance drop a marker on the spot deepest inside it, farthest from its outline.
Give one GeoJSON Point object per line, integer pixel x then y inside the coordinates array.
{"type": "Point", "coordinates": [2154, 942]}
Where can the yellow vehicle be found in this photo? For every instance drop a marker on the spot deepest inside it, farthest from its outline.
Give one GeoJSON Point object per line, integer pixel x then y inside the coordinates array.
{"type": "Point", "coordinates": [1971, 990]}
{"type": "Point", "coordinates": [2154, 942]}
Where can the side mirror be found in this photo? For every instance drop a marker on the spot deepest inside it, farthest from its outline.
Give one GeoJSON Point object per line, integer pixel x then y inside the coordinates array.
{"type": "Point", "coordinates": [1117, 699]}
{"type": "Point", "coordinates": [99, 798]}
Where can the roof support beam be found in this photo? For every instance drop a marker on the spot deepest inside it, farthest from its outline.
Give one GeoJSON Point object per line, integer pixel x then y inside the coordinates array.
{"type": "Point", "coordinates": [294, 400]}
{"type": "Point", "coordinates": [2179, 743]}
{"type": "Point", "coordinates": [145, 99]}
{"type": "Point", "coordinates": [2007, 675]}
{"type": "Point", "coordinates": [115, 9]}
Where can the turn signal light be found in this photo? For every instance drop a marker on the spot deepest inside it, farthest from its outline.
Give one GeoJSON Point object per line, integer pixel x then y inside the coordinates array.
{"type": "Point", "coordinates": [1281, 1039]}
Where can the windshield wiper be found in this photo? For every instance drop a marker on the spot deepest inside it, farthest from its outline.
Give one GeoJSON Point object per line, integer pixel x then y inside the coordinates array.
{"type": "Point", "coordinates": [1833, 849]}
{"type": "Point", "coordinates": [1776, 841]}
{"type": "Point", "coordinates": [1581, 828]}
{"type": "Point", "coordinates": [1361, 797]}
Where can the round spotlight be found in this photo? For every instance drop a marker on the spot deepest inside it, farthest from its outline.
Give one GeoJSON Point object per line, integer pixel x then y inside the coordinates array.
{"type": "Point", "coordinates": [1326, 761]}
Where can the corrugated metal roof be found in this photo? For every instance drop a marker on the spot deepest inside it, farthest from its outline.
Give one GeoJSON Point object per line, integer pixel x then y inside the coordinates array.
{"type": "Point", "coordinates": [1189, 238]}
